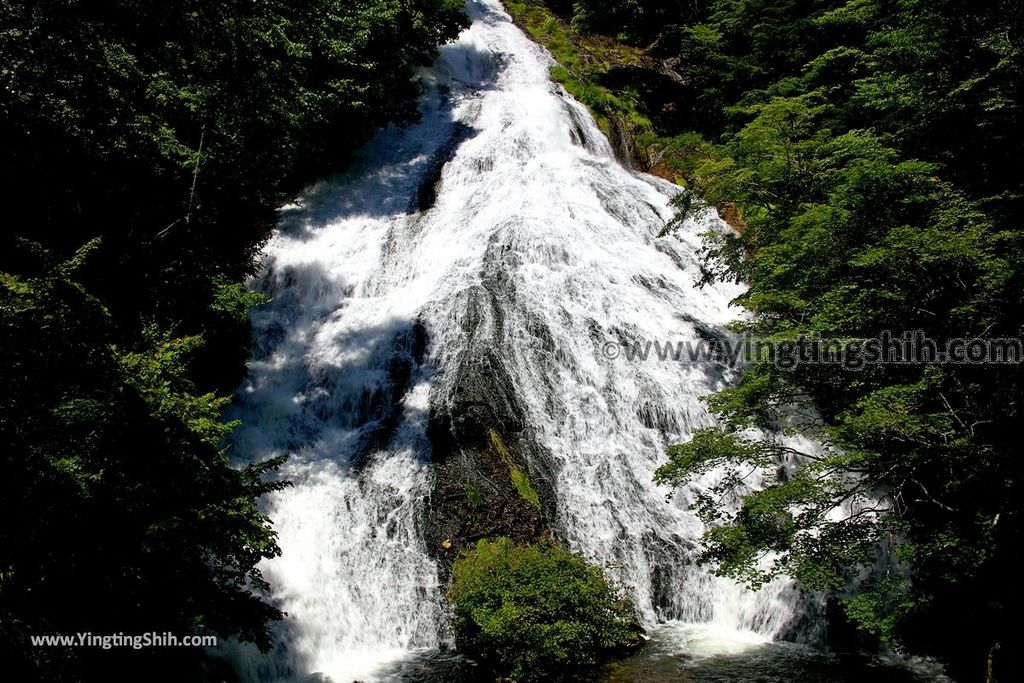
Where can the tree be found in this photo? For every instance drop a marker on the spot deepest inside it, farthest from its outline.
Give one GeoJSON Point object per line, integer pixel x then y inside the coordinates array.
{"type": "Point", "coordinates": [537, 612]}
{"type": "Point", "coordinates": [163, 136]}
{"type": "Point", "coordinates": [862, 215]}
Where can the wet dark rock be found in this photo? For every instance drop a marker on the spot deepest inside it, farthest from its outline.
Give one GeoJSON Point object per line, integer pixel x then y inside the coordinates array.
{"type": "Point", "coordinates": [481, 440]}
{"type": "Point", "coordinates": [426, 195]}
{"type": "Point", "coordinates": [622, 138]}
{"type": "Point", "coordinates": [437, 667]}
{"type": "Point", "coordinates": [474, 497]}
{"type": "Point", "coordinates": [381, 410]}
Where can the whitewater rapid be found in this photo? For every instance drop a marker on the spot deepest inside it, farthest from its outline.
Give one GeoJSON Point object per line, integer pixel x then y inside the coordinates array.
{"type": "Point", "coordinates": [505, 191]}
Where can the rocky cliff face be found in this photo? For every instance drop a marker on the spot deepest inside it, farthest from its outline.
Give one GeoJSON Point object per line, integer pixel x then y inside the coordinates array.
{"type": "Point", "coordinates": [490, 476]}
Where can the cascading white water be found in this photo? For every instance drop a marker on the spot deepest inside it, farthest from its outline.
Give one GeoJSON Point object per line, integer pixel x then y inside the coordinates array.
{"type": "Point", "coordinates": [505, 179]}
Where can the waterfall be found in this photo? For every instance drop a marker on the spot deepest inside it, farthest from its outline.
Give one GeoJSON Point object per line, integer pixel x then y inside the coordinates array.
{"type": "Point", "coordinates": [505, 208]}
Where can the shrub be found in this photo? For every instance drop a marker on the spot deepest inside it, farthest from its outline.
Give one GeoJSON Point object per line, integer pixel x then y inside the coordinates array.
{"type": "Point", "coordinates": [537, 612]}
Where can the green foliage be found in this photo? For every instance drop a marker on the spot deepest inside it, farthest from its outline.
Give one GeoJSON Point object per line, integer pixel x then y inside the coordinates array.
{"type": "Point", "coordinates": [870, 149]}
{"type": "Point", "coordinates": [879, 610]}
{"type": "Point", "coordinates": [122, 512]}
{"type": "Point", "coordinates": [709, 449]}
{"type": "Point", "coordinates": [523, 486]}
{"type": "Point", "coordinates": [537, 612]}
{"type": "Point", "coordinates": [233, 300]}
{"type": "Point", "coordinates": [474, 495]}
{"type": "Point", "coordinates": [582, 63]}
{"type": "Point", "coordinates": [631, 20]}
{"type": "Point", "coordinates": [175, 130]}
{"type": "Point", "coordinates": [519, 478]}
{"type": "Point", "coordinates": [163, 137]}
